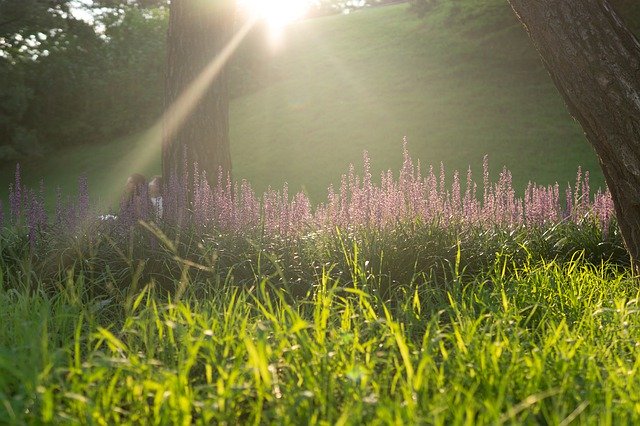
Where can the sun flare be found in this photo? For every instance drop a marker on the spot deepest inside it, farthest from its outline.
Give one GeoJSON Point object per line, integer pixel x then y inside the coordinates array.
{"type": "Point", "coordinates": [276, 13]}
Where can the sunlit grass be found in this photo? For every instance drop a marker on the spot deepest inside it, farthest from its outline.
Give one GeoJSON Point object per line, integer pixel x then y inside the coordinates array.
{"type": "Point", "coordinates": [419, 321]}
{"type": "Point", "coordinates": [544, 343]}
{"type": "Point", "coordinates": [415, 323]}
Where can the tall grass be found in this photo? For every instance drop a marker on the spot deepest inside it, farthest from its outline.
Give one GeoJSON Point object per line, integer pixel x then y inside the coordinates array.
{"type": "Point", "coordinates": [406, 302]}
{"type": "Point", "coordinates": [545, 343]}
{"type": "Point", "coordinates": [407, 223]}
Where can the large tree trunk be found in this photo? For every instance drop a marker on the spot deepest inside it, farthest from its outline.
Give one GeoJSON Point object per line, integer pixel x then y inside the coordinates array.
{"type": "Point", "coordinates": [594, 60]}
{"type": "Point", "coordinates": [197, 120]}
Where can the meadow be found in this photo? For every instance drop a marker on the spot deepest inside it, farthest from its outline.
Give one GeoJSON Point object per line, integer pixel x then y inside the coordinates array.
{"type": "Point", "coordinates": [409, 301]}
{"type": "Point", "coordinates": [545, 343]}
{"type": "Point", "coordinates": [370, 289]}
{"type": "Point", "coordinates": [458, 84]}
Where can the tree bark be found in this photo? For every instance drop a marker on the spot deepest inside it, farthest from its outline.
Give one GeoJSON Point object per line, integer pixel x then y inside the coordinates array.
{"type": "Point", "coordinates": [594, 61]}
{"type": "Point", "coordinates": [198, 32]}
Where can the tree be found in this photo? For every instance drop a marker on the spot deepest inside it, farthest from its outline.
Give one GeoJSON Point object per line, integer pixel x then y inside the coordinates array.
{"type": "Point", "coordinates": [197, 124]}
{"type": "Point", "coordinates": [22, 25]}
{"type": "Point", "coordinates": [594, 61]}
{"type": "Point", "coordinates": [18, 15]}
{"type": "Point", "coordinates": [67, 81]}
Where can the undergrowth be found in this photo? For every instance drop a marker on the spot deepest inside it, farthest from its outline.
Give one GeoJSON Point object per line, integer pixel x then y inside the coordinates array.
{"type": "Point", "coordinates": [404, 303]}
{"type": "Point", "coordinates": [523, 340]}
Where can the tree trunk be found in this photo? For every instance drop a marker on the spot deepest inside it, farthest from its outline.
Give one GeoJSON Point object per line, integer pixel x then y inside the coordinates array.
{"type": "Point", "coordinates": [198, 32]}
{"type": "Point", "coordinates": [594, 60]}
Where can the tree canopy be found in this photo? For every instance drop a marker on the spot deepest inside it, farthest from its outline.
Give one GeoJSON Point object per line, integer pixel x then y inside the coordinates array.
{"type": "Point", "coordinates": [68, 81]}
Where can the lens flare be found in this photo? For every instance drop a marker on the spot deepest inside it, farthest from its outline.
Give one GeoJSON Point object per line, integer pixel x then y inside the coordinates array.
{"type": "Point", "coordinates": [277, 13]}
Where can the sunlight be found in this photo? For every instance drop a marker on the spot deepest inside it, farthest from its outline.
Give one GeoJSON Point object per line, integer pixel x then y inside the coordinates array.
{"type": "Point", "coordinates": [175, 115]}
{"type": "Point", "coordinates": [276, 13]}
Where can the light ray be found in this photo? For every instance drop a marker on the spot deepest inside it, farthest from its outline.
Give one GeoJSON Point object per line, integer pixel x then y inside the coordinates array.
{"type": "Point", "coordinates": [175, 116]}
{"type": "Point", "coordinates": [149, 144]}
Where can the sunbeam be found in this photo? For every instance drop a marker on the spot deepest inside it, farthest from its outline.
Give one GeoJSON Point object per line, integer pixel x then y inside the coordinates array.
{"type": "Point", "coordinates": [277, 13]}
{"type": "Point", "coordinates": [149, 145]}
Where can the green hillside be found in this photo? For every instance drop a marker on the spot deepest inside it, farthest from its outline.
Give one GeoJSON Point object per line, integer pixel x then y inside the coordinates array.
{"type": "Point", "coordinates": [456, 87]}
{"type": "Point", "coordinates": [458, 84]}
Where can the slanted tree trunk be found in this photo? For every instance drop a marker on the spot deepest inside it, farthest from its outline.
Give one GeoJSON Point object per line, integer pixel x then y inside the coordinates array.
{"type": "Point", "coordinates": [198, 32]}
{"type": "Point", "coordinates": [594, 60]}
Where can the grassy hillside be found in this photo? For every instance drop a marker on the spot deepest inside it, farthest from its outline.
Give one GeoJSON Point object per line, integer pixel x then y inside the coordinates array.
{"type": "Point", "coordinates": [458, 84]}
{"type": "Point", "coordinates": [457, 89]}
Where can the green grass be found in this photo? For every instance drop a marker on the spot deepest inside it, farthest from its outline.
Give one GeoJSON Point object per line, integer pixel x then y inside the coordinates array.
{"type": "Point", "coordinates": [346, 84]}
{"type": "Point", "coordinates": [545, 343]}
{"type": "Point", "coordinates": [417, 324]}
{"type": "Point", "coordinates": [458, 85]}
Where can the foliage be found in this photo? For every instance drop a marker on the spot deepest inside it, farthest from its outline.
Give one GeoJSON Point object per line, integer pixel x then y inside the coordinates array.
{"type": "Point", "coordinates": [67, 76]}
{"type": "Point", "coordinates": [94, 89]}
{"type": "Point", "coordinates": [541, 343]}
{"type": "Point", "coordinates": [465, 12]}
{"type": "Point", "coordinates": [329, 7]}
{"type": "Point", "coordinates": [27, 17]}
{"type": "Point", "coordinates": [408, 224]}
{"type": "Point", "coordinates": [339, 85]}
{"type": "Point", "coordinates": [406, 302]}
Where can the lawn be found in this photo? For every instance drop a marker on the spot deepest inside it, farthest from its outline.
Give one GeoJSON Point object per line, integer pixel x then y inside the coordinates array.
{"type": "Point", "coordinates": [458, 86]}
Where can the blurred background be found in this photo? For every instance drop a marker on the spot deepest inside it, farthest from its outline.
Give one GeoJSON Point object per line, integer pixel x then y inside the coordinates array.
{"type": "Point", "coordinates": [81, 85]}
